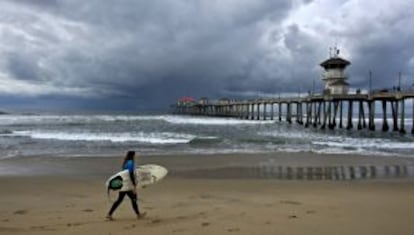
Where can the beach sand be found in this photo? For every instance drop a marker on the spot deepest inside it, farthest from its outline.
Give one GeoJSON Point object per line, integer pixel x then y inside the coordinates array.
{"type": "Point", "coordinates": [76, 203]}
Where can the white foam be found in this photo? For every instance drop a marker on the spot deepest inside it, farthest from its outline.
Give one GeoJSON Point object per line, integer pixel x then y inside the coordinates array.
{"type": "Point", "coordinates": [366, 143]}
{"type": "Point", "coordinates": [174, 119]}
{"type": "Point", "coordinates": [61, 119]}
{"type": "Point", "coordinates": [210, 120]}
{"type": "Point", "coordinates": [152, 137]}
{"type": "Point", "coordinates": [294, 134]}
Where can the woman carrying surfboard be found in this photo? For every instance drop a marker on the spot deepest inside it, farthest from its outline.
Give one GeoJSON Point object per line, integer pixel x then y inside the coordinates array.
{"type": "Point", "coordinates": [128, 187]}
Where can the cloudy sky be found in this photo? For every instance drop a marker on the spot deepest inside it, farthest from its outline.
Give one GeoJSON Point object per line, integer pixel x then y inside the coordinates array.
{"type": "Point", "coordinates": [137, 55]}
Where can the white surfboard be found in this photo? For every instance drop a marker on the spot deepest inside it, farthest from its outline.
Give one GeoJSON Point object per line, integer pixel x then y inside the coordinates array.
{"type": "Point", "coordinates": [144, 175]}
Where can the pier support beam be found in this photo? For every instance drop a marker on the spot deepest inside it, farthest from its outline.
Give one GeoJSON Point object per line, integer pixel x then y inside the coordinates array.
{"type": "Point", "coordinates": [317, 114]}
{"type": "Point", "coordinates": [308, 113]}
{"type": "Point", "coordinates": [394, 108]}
{"type": "Point", "coordinates": [385, 126]}
{"type": "Point", "coordinates": [371, 118]}
{"type": "Point", "coordinates": [272, 111]}
{"type": "Point", "coordinates": [361, 116]}
{"type": "Point", "coordinates": [289, 113]}
{"type": "Point", "coordinates": [325, 114]}
{"type": "Point", "coordinates": [412, 111]}
{"type": "Point", "coordinates": [280, 111]}
{"type": "Point", "coordinates": [402, 124]}
{"type": "Point", "coordinates": [349, 125]}
{"type": "Point", "coordinates": [336, 106]}
{"type": "Point", "coordinates": [252, 111]}
{"type": "Point", "coordinates": [340, 113]}
{"type": "Point", "coordinates": [314, 112]}
{"type": "Point", "coordinates": [331, 114]}
{"type": "Point", "coordinates": [364, 123]}
{"type": "Point", "coordinates": [321, 105]}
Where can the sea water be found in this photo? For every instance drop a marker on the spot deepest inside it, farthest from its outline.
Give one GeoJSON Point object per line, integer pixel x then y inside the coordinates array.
{"type": "Point", "coordinates": [108, 135]}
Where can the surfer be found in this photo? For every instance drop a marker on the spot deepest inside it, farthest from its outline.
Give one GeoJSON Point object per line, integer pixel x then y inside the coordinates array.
{"type": "Point", "coordinates": [128, 188]}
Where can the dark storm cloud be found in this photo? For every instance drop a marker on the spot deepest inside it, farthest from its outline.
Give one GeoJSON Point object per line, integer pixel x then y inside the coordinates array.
{"type": "Point", "coordinates": [36, 3]}
{"type": "Point", "coordinates": [22, 67]}
{"type": "Point", "coordinates": [133, 54]}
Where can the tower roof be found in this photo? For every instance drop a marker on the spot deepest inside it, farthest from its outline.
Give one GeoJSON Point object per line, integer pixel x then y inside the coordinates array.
{"type": "Point", "coordinates": [335, 61]}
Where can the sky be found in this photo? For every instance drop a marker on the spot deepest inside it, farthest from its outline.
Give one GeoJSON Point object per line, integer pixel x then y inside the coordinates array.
{"type": "Point", "coordinates": [143, 55]}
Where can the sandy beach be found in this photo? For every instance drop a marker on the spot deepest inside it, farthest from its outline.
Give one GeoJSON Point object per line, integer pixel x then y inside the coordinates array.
{"type": "Point", "coordinates": [74, 201]}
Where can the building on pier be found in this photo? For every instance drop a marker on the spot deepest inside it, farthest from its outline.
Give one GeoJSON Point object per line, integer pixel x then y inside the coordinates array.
{"type": "Point", "coordinates": [186, 101]}
{"type": "Point", "coordinates": [334, 75]}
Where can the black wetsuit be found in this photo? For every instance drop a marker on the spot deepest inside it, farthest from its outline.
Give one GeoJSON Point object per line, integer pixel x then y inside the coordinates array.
{"type": "Point", "coordinates": [129, 165]}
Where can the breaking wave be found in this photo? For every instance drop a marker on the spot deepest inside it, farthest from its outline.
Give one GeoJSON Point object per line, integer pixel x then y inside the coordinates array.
{"type": "Point", "coordinates": [152, 138]}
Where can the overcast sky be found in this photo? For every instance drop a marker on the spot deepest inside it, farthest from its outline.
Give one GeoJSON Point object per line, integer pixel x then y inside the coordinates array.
{"type": "Point", "coordinates": [137, 55]}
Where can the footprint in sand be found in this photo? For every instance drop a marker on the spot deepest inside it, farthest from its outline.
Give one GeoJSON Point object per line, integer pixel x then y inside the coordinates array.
{"type": "Point", "coordinates": [87, 210]}
{"type": "Point", "coordinates": [290, 202]}
{"type": "Point", "coordinates": [292, 217]}
{"type": "Point", "coordinates": [70, 205]}
{"type": "Point", "coordinates": [180, 204]}
{"type": "Point", "coordinates": [233, 230]}
{"type": "Point", "coordinates": [206, 196]}
{"type": "Point", "coordinates": [132, 226]}
{"type": "Point", "coordinates": [310, 212]}
{"type": "Point", "coordinates": [204, 224]}
{"type": "Point", "coordinates": [156, 221]}
{"type": "Point", "coordinates": [73, 224]}
{"type": "Point", "coordinates": [20, 212]}
{"type": "Point", "coordinates": [181, 217]}
{"type": "Point", "coordinates": [5, 220]}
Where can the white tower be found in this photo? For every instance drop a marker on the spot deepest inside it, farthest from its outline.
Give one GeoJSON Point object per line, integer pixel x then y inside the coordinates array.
{"type": "Point", "coordinates": [334, 75]}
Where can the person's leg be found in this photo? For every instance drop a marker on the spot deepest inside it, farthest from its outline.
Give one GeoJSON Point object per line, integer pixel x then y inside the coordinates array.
{"type": "Point", "coordinates": [134, 200]}
{"type": "Point", "coordinates": [116, 204]}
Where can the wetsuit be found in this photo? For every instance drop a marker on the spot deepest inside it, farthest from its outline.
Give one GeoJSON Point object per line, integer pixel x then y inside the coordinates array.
{"type": "Point", "coordinates": [127, 189]}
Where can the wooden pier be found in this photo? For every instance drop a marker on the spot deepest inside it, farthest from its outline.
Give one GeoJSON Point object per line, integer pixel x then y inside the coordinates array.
{"type": "Point", "coordinates": [325, 110]}
{"type": "Point", "coordinates": [315, 110]}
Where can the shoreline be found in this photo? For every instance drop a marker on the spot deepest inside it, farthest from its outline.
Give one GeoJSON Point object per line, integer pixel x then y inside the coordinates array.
{"type": "Point", "coordinates": [278, 165]}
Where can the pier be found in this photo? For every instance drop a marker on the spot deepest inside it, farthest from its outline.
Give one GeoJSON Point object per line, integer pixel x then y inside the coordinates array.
{"type": "Point", "coordinates": [318, 111]}
{"type": "Point", "coordinates": [333, 108]}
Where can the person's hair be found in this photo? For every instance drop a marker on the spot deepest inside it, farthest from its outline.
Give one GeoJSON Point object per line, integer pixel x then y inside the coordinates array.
{"type": "Point", "coordinates": [129, 156]}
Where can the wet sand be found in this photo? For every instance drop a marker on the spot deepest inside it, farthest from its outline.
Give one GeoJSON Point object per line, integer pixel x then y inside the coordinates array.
{"type": "Point", "coordinates": [73, 201]}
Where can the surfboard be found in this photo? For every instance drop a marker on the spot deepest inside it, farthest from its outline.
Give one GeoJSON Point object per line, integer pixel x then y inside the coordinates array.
{"type": "Point", "coordinates": [144, 174]}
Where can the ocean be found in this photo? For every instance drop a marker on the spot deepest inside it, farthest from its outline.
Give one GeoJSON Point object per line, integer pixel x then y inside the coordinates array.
{"type": "Point", "coordinates": [109, 135]}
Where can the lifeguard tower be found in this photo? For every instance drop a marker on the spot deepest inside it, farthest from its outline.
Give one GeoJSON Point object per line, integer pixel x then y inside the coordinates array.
{"type": "Point", "coordinates": [334, 75]}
